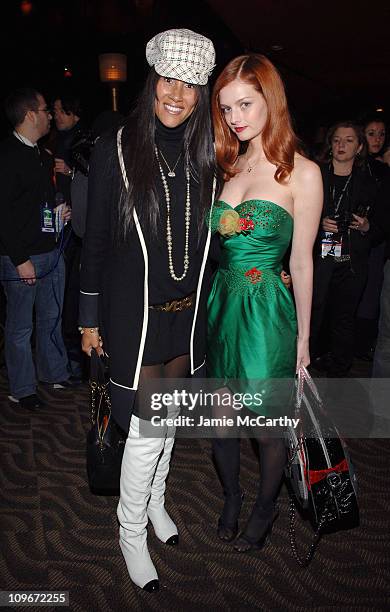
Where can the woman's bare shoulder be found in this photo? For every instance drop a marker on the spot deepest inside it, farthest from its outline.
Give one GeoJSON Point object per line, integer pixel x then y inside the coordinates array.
{"type": "Point", "coordinates": [305, 169]}
{"type": "Point", "coordinates": [306, 183]}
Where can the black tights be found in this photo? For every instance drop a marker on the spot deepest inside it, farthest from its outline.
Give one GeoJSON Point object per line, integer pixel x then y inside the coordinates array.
{"type": "Point", "coordinates": [272, 462]}
{"type": "Point", "coordinates": [176, 368]}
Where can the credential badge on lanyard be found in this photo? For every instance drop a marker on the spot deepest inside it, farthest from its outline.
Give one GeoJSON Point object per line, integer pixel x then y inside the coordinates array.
{"type": "Point", "coordinates": [330, 246]}
{"type": "Point", "coordinates": [47, 219]}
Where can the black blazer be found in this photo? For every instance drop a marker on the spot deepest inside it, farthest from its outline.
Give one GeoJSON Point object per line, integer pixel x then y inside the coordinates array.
{"type": "Point", "coordinates": [114, 280]}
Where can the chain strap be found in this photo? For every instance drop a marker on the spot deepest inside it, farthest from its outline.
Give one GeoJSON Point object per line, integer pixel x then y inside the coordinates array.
{"type": "Point", "coordinates": [294, 452]}
{"type": "Point", "coordinates": [99, 393]}
{"type": "Point", "coordinates": [304, 377]}
{"type": "Point", "coordinates": [304, 561]}
{"type": "Point", "coordinates": [93, 386]}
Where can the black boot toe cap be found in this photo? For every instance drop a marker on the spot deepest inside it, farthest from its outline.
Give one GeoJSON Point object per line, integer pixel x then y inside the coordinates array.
{"type": "Point", "coordinates": [173, 540]}
{"type": "Point", "coordinates": [151, 586]}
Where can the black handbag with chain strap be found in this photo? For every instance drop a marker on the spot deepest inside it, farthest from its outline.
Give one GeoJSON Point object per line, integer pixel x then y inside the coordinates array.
{"type": "Point", "coordinates": [105, 440]}
{"type": "Point", "coordinates": [319, 473]}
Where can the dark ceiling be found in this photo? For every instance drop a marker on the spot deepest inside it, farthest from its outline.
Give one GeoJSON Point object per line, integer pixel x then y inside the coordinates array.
{"type": "Point", "coordinates": [335, 56]}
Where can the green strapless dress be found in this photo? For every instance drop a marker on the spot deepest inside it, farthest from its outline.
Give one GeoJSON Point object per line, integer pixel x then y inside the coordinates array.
{"type": "Point", "coordinates": [252, 325]}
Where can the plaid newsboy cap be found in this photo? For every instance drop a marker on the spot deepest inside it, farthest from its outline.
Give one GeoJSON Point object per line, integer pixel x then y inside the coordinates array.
{"type": "Point", "coordinates": [182, 54]}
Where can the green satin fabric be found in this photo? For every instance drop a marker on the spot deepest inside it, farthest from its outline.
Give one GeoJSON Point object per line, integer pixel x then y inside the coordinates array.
{"type": "Point", "coordinates": [251, 315]}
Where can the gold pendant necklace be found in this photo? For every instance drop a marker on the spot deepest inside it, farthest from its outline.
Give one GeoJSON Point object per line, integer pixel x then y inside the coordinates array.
{"type": "Point", "coordinates": [187, 218]}
{"type": "Point", "coordinates": [171, 171]}
{"type": "Point", "coordinates": [250, 167]}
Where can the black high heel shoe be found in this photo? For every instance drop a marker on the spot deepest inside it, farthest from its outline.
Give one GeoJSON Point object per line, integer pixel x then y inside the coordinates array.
{"type": "Point", "coordinates": [259, 527]}
{"type": "Point", "coordinates": [228, 521]}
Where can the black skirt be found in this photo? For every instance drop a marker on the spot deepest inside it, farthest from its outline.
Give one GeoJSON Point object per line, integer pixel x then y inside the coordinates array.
{"type": "Point", "coordinates": [168, 335]}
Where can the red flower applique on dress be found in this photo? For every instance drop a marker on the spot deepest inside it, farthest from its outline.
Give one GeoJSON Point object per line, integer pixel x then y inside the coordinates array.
{"type": "Point", "coordinates": [254, 275]}
{"type": "Point", "coordinates": [246, 224]}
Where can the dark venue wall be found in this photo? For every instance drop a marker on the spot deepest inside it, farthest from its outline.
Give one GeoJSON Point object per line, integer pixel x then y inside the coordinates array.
{"type": "Point", "coordinates": [333, 63]}
{"type": "Point", "coordinates": [56, 45]}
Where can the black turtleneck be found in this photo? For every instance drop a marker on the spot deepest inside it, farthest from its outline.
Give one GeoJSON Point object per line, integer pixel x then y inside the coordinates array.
{"type": "Point", "coordinates": [162, 287]}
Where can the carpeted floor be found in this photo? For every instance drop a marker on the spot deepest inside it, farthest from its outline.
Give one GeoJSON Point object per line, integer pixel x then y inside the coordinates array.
{"type": "Point", "coordinates": [56, 535]}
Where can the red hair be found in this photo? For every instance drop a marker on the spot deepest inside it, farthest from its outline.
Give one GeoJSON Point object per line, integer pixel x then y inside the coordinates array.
{"type": "Point", "coordinates": [278, 138]}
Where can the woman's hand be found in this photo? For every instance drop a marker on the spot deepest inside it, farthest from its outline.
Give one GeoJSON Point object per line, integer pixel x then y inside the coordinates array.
{"type": "Point", "coordinates": [303, 355]}
{"type": "Point", "coordinates": [62, 167]}
{"type": "Point", "coordinates": [361, 224]}
{"type": "Point", "coordinates": [66, 213]}
{"type": "Point", "coordinates": [286, 279]}
{"type": "Point", "coordinates": [329, 225]}
{"type": "Point", "coordinates": [90, 340]}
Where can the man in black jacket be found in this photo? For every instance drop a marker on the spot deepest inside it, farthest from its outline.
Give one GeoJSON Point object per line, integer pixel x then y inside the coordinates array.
{"type": "Point", "coordinates": [71, 134]}
{"type": "Point", "coordinates": [31, 266]}
{"type": "Point", "coordinates": [67, 116]}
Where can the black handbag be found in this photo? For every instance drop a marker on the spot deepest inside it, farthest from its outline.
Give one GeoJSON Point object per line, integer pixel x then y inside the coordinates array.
{"type": "Point", "coordinates": [319, 473]}
{"type": "Point", "coordinates": [105, 440]}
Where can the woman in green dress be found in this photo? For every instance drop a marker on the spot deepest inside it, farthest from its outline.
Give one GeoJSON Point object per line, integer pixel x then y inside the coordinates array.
{"type": "Point", "coordinates": [271, 195]}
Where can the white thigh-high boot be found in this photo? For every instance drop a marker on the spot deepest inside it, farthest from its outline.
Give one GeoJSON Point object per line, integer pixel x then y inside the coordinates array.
{"type": "Point", "coordinates": [138, 467]}
{"type": "Point", "coordinates": [164, 527]}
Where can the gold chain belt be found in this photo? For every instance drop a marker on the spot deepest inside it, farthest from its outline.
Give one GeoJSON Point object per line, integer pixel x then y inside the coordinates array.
{"type": "Point", "coordinates": [175, 305]}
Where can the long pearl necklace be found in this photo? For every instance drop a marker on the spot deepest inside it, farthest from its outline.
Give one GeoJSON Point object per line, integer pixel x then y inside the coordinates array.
{"type": "Point", "coordinates": [187, 217]}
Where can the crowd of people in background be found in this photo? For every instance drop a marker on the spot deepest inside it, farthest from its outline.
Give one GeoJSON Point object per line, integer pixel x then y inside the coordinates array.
{"type": "Point", "coordinates": [38, 249]}
{"type": "Point", "coordinates": [350, 252]}
{"type": "Point", "coordinates": [354, 160]}
{"type": "Point", "coordinates": [160, 165]}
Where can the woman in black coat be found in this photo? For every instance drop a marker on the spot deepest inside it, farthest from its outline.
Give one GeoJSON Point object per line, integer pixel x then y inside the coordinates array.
{"type": "Point", "coordinates": [143, 273]}
{"type": "Point", "coordinates": [367, 316]}
{"type": "Point", "coordinates": [343, 246]}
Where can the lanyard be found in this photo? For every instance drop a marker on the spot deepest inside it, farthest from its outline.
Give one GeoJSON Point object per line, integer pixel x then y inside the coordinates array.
{"type": "Point", "coordinates": [337, 206]}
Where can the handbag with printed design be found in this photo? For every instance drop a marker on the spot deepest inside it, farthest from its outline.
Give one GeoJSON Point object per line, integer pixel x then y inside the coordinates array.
{"type": "Point", "coordinates": [319, 473]}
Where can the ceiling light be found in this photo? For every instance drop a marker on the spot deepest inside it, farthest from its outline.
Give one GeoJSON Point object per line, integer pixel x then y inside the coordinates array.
{"type": "Point", "coordinates": [26, 7]}
{"type": "Point", "coordinates": [379, 110]}
{"type": "Point", "coordinates": [277, 47]}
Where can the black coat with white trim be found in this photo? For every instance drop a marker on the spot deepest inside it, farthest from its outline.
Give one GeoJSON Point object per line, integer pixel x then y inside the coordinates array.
{"type": "Point", "coordinates": [114, 279]}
